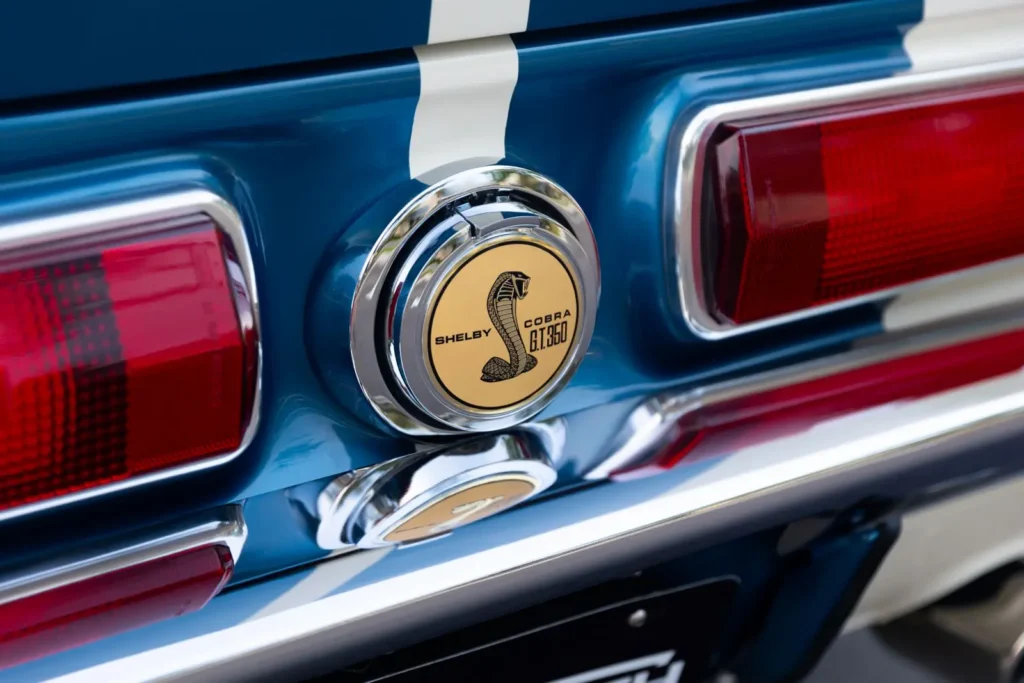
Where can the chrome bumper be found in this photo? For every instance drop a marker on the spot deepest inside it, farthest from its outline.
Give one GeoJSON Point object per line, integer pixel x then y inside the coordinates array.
{"type": "Point", "coordinates": [354, 606]}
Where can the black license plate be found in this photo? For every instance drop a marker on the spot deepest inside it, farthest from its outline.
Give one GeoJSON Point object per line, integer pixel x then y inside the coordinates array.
{"type": "Point", "coordinates": [663, 637]}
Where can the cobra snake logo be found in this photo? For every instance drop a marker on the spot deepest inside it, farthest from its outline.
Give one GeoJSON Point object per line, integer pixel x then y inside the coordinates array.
{"type": "Point", "coordinates": [501, 307]}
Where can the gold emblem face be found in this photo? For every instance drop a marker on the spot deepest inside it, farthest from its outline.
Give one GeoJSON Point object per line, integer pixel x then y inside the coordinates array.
{"type": "Point", "coordinates": [462, 507]}
{"type": "Point", "coordinates": [502, 325]}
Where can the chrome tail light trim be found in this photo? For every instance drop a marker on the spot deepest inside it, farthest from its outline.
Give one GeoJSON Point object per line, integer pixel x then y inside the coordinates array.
{"type": "Point", "coordinates": [139, 216]}
{"type": "Point", "coordinates": [685, 178]}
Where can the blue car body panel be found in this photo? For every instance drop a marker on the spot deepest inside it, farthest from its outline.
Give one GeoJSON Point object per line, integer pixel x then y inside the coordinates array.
{"type": "Point", "coordinates": [65, 47]}
{"type": "Point", "coordinates": [302, 115]}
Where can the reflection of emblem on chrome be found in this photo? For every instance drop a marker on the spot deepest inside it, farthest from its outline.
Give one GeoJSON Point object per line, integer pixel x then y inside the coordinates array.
{"type": "Point", "coordinates": [501, 307]}
{"type": "Point", "coordinates": [425, 496]}
{"type": "Point", "coordinates": [637, 670]}
{"type": "Point", "coordinates": [461, 513]}
{"type": "Point", "coordinates": [466, 509]}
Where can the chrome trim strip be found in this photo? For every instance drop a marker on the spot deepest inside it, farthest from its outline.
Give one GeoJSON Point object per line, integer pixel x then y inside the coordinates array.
{"type": "Point", "coordinates": [650, 424]}
{"type": "Point", "coordinates": [224, 527]}
{"type": "Point", "coordinates": [120, 216]}
{"type": "Point", "coordinates": [685, 167]}
{"type": "Point", "coordinates": [592, 532]}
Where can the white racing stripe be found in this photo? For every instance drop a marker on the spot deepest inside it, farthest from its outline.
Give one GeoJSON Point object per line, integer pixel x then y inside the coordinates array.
{"type": "Point", "coordinates": [452, 20]}
{"type": "Point", "coordinates": [933, 9]}
{"type": "Point", "coordinates": [465, 93]}
{"type": "Point", "coordinates": [963, 32]}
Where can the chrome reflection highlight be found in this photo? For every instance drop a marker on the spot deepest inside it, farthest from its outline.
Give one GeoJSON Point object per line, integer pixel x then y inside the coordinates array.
{"type": "Point", "coordinates": [426, 496]}
{"type": "Point", "coordinates": [656, 423]}
{"type": "Point", "coordinates": [225, 526]}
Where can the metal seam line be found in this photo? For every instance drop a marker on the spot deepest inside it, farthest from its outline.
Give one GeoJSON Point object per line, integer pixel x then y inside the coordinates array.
{"type": "Point", "coordinates": [465, 94]}
{"type": "Point", "coordinates": [452, 20]}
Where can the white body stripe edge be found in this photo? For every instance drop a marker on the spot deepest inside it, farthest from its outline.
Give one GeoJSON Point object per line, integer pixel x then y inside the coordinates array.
{"type": "Point", "coordinates": [452, 20]}
{"type": "Point", "coordinates": [465, 93]}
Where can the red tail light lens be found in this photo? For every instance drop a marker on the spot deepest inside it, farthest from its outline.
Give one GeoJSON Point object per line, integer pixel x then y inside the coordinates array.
{"type": "Point", "coordinates": [728, 425]}
{"type": "Point", "coordinates": [120, 359]}
{"type": "Point", "coordinates": [88, 610]}
{"type": "Point", "coordinates": [840, 204]}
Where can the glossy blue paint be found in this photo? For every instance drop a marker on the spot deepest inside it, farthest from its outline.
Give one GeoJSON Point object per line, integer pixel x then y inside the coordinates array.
{"type": "Point", "coordinates": [619, 365]}
{"type": "Point", "coordinates": [64, 47]}
{"type": "Point", "coordinates": [313, 154]}
{"type": "Point", "coordinates": [286, 536]}
{"type": "Point", "coordinates": [328, 316]}
{"type": "Point", "coordinates": [557, 13]}
{"type": "Point", "coordinates": [366, 109]}
{"type": "Point", "coordinates": [308, 158]}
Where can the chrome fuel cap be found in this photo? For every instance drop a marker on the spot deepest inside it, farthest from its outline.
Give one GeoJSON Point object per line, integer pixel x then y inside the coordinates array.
{"type": "Point", "coordinates": [476, 304]}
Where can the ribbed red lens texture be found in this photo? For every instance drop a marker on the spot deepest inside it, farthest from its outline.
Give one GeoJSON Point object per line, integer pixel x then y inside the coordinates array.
{"type": "Point", "coordinates": [727, 426]}
{"type": "Point", "coordinates": [82, 612]}
{"type": "Point", "coordinates": [118, 361]}
{"type": "Point", "coordinates": [815, 211]}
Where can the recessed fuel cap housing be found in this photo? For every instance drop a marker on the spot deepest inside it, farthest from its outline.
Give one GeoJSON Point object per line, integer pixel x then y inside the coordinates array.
{"type": "Point", "coordinates": [473, 307]}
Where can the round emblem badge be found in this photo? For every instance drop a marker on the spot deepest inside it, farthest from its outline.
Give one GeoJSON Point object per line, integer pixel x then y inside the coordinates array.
{"type": "Point", "coordinates": [474, 307]}
{"type": "Point", "coordinates": [502, 325]}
